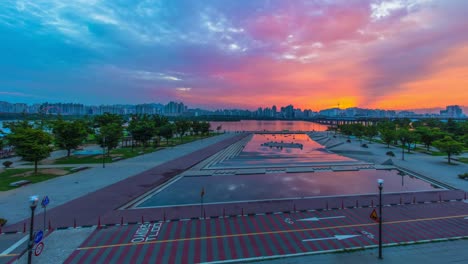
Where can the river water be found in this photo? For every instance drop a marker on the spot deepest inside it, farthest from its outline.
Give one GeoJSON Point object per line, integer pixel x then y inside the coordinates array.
{"type": "Point", "coordinates": [268, 125]}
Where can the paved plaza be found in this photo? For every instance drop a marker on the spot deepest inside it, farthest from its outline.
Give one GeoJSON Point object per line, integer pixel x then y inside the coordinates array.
{"type": "Point", "coordinates": [250, 230]}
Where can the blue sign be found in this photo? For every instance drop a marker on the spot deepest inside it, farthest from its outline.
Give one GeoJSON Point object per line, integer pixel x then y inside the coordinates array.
{"type": "Point", "coordinates": [38, 237]}
{"type": "Point", "coordinates": [45, 201]}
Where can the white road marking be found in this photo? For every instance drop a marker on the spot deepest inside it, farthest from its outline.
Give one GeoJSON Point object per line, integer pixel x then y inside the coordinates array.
{"type": "Point", "coordinates": [338, 237]}
{"type": "Point", "coordinates": [14, 246]}
{"type": "Point", "coordinates": [321, 218]}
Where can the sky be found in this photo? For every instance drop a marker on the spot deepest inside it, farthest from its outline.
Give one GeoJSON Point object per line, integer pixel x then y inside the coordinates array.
{"type": "Point", "coordinates": [316, 54]}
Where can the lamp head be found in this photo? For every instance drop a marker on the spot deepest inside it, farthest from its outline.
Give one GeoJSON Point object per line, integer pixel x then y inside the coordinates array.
{"type": "Point", "coordinates": [380, 182]}
{"type": "Point", "coordinates": [33, 200]}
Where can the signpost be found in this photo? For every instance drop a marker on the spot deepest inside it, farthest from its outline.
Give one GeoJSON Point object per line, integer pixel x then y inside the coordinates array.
{"type": "Point", "coordinates": [374, 216]}
{"type": "Point", "coordinates": [202, 193]}
{"type": "Point", "coordinates": [38, 237]}
{"type": "Point", "coordinates": [39, 249]}
{"type": "Point", "coordinates": [45, 201]}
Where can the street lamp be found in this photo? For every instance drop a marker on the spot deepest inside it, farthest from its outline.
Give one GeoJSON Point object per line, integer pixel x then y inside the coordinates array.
{"type": "Point", "coordinates": [380, 182]}
{"type": "Point", "coordinates": [104, 152]}
{"type": "Point", "coordinates": [33, 200]}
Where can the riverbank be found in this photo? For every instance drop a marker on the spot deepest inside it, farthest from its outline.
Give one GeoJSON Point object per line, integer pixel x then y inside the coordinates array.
{"type": "Point", "coordinates": [435, 167]}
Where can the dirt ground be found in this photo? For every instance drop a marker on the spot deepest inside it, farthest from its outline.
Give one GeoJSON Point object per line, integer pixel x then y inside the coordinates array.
{"type": "Point", "coordinates": [52, 171]}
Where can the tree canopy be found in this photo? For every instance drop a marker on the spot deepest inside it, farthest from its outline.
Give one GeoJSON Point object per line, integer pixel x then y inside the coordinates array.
{"type": "Point", "coordinates": [449, 146]}
{"type": "Point", "coordinates": [69, 134]}
{"type": "Point", "coordinates": [32, 144]}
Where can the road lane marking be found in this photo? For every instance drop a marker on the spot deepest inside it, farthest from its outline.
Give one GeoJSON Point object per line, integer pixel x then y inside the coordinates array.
{"type": "Point", "coordinates": [338, 237]}
{"type": "Point", "coordinates": [8, 255]}
{"type": "Point", "coordinates": [269, 232]}
{"type": "Point", "coordinates": [14, 246]}
{"type": "Point", "coordinates": [320, 218]}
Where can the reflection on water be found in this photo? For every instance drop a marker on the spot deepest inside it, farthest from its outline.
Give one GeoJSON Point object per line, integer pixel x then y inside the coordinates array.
{"type": "Point", "coordinates": [268, 125]}
{"type": "Point", "coordinates": [257, 153]}
{"type": "Point", "coordinates": [282, 185]}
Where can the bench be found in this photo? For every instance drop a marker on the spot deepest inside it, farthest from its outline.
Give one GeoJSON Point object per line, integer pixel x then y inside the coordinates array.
{"type": "Point", "coordinates": [19, 183]}
{"type": "Point", "coordinates": [76, 169]}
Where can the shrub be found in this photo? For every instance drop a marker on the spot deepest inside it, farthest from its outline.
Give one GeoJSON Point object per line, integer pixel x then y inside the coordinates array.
{"type": "Point", "coordinates": [463, 176]}
{"type": "Point", "coordinates": [390, 154]}
{"type": "Point", "coordinates": [2, 221]}
{"type": "Point", "coordinates": [7, 163]}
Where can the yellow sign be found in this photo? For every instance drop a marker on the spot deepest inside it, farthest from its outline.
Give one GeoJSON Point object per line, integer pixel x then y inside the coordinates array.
{"type": "Point", "coordinates": [374, 216]}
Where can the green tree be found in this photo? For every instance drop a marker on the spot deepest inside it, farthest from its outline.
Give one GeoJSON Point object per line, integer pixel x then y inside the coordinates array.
{"type": "Point", "coordinates": [358, 130]}
{"type": "Point", "coordinates": [449, 146]}
{"type": "Point", "coordinates": [159, 121]}
{"type": "Point", "coordinates": [428, 135]}
{"type": "Point", "coordinates": [142, 128]}
{"type": "Point", "coordinates": [404, 136]}
{"type": "Point", "coordinates": [205, 127]}
{"type": "Point", "coordinates": [109, 136]}
{"type": "Point", "coordinates": [182, 126]}
{"type": "Point", "coordinates": [388, 136]}
{"type": "Point", "coordinates": [411, 140]}
{"type": "Point", "coordinates": [167, 132]}
{"type": "Point", "coordinates": [110, 130]}
{"type": "Point", "coordinates": [371, 132]}
{"type": "Point", "coordinates": [107, 118]}
{"type": "Point", "coordinates": [69, 135]}
{"type": "Point", "coordinates": [196, 127]}
{"type": "Point", "coordinates": [31, 144]}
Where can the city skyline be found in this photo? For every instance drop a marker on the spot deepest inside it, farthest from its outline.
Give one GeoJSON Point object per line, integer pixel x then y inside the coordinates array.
{"type": "Point", "coordinates": [387, 54]}
{"type": "Point", "coordinates": [180, 109]}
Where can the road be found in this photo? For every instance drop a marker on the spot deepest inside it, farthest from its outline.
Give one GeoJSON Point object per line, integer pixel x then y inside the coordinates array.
{"type": "Point", "coordinates": [269, 236]}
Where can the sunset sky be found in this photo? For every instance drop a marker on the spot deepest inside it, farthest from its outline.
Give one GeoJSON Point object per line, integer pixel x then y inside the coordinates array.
{"type": "Point", "coordinates": [390, 54]}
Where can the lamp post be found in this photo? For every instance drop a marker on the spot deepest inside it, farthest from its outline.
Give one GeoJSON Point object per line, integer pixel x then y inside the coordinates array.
{"type": "Point", "coordinates": [104, 152]}
{"type": "Point", "coordinates": [33, 200]}
{"type": "Point", "coordinates": [380, 182]}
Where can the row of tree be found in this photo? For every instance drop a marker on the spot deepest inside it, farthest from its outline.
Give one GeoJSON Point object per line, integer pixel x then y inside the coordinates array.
{"type": "Point", "coordinates": [34, 141]}
{"type": "Point", "coordinates": [450, 138]}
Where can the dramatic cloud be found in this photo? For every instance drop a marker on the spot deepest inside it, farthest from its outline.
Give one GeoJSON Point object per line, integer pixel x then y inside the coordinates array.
{"type": "Point", "coordinates": [218, 54]}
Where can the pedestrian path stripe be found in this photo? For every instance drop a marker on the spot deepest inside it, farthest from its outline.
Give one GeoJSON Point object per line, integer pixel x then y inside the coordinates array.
{"type": "Point", "coordinates": [269, 232]}
{"type": "Point", "coordinates": [14, 246]}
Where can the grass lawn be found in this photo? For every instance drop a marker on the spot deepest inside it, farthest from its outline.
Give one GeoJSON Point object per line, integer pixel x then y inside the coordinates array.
{"type": "Point", "coordinates": [82, 159]}
{"type": "Point", "coordinates": [12, 175]}
{"type": "Point", "coordinates": [127, 152]}
{"type": "Point", "coordinates": [464, 160]}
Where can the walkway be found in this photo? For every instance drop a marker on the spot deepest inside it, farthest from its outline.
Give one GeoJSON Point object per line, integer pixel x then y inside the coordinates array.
{"type": "Point", "coordinates": [14, 203]}
{"type": "Point", "coordinates": [435, 167]}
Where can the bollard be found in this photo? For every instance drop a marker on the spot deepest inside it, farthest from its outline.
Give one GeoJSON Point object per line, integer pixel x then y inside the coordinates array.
{"type": "Point", "coordinates": [294, 208]}
{"type": "Point", "coordinates": [50, 226]}
{"type": "Point", "coordinates": [204, 214]}
{"type": "Point", "coordinates": [74, 222]}
{"type": "Point", "coordinates": [164, 215]}
{"type": "Point", "coordinates": [327, 205]}
{"type": "Point", "coordinates": [99, 222]}
{"type": "Point", "coordinates": [24, 227]}
{"type": "Point", "coordinates": [372, 203]}
{"type": "Point", "coordinates": [357, 204]}
{"type": "Point", "coordinates": [142, 220]}
{"type": "Point", "coordinates": [224, 212]}
{"type": "Point", "coordinates": [121, 220]}
{"type": "Point", "coordinates": [414, 199]}
{"type": "Point", "coordinates": [342, 204]}
{"type": "Point", "coordinates": [440, 198]}
{"type": "Point", "coordinates": [401, 201]}
{"type": "Point", "coordinates": [242, 211]}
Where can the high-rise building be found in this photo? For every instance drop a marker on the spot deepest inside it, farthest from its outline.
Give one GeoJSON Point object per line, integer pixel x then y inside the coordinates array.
{"type": "Point", "coordinates": [452, 111]}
